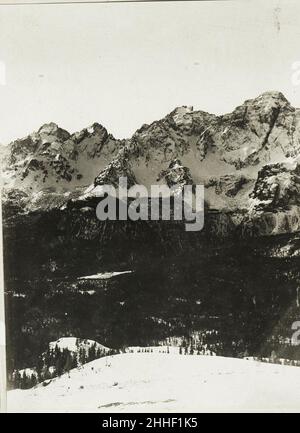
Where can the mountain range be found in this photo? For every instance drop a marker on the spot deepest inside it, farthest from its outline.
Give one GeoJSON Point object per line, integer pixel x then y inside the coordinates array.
{"type": "Point", "coordinates": [238, 278]}
{"type": "Point", "coordinates": [248, 161]}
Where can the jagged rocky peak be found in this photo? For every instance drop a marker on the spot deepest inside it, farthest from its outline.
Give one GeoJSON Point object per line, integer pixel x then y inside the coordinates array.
{"type": "Point", "coordinates": [21, 150]}
{"type": "Point", "coordinates": [52, 129]}
{"type": "Point", "coordinates": [95, 130]}
{"type": "Point", "coordinates": [263, 105]}
{"type": "Point", "coordinates": [53, 157]}
{"type": "Point", "coordinates": [95, 141]}
{"type": "Point", "coordinates": [262, 130]}
{"type": "Point", "coordinates": [173, 136]}
{"type": "Point", "coordinates": [264, 109]}
{"type": "Point", "coordinates": [181, 115]}
{"type": "Point", "coordinates": [269, 99]}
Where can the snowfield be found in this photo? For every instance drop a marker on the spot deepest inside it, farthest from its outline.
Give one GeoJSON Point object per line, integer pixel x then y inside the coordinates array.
{"type": "Point", "coordinates": [159, 382]}
{"type": "Point", "coordinates": [104, 275]}
{"type": "Point", "coordinates": [73, 344]}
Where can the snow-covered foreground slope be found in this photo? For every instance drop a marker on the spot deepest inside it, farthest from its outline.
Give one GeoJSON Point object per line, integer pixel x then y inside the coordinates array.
{"type": "Point", "coordinates": [154, 382]}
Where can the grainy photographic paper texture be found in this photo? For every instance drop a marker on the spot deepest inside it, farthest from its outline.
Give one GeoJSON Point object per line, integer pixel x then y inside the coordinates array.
{"type": "Point", "coordinates": [150, 184]}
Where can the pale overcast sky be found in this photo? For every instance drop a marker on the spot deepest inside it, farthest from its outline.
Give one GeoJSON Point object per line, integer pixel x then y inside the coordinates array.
{"type": "Point", "coordinates": [123, 65]}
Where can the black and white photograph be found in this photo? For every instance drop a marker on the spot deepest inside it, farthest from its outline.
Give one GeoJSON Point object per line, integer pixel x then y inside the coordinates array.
{"type": "Point", "coordinates": [150, 207]}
